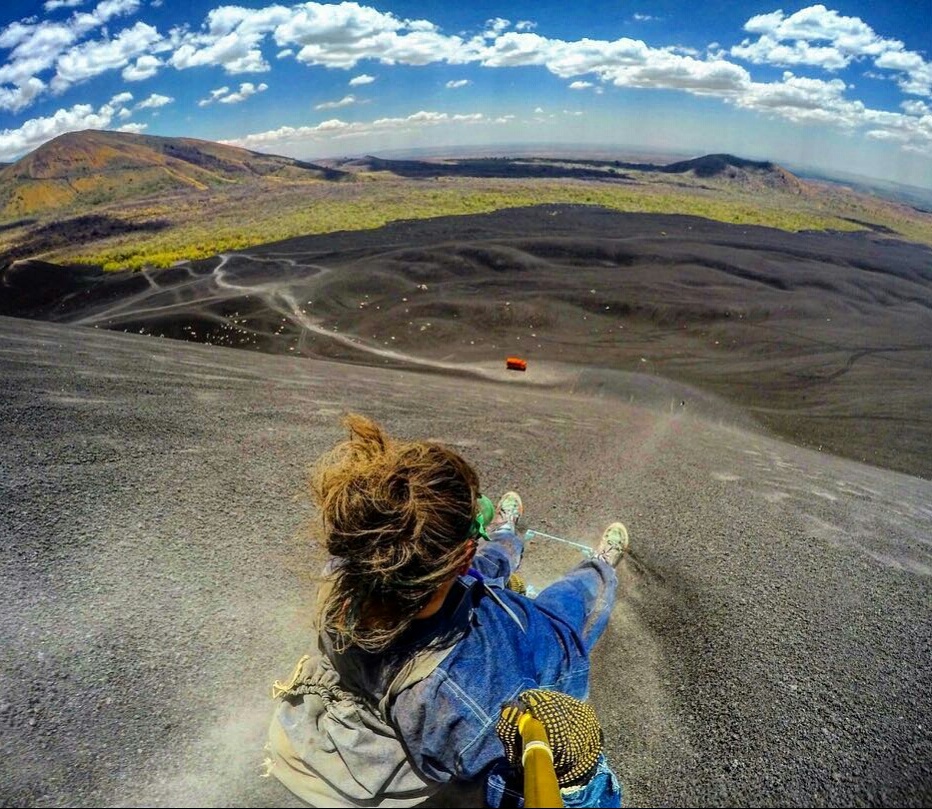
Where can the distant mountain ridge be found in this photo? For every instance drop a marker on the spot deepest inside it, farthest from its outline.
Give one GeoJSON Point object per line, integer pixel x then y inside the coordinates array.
{"type": "Point", "coordinates": [93, 167]}
{"type": "Point", "coordinates": [750, 174]}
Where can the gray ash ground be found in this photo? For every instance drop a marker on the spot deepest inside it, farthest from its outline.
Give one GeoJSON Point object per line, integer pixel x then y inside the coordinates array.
{"type": "Point", "coordinates": [821, 337]}
{"type": "Point", "coordinates": [771, 641]}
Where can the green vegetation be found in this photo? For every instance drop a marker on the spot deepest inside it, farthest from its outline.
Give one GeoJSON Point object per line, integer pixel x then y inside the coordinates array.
{"type": "Point", "coordinates": [204, 227]}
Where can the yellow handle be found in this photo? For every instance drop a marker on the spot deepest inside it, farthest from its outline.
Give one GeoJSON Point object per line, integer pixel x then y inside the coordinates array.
{"type": "Point", "coordinates": [540, 781]}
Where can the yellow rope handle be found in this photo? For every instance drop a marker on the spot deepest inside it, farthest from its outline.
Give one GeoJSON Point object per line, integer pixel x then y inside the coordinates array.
{"type": "Point", "coordinates": [540, 779]}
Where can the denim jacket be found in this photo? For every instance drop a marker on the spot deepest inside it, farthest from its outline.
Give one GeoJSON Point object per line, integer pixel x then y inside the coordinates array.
{"type": "Point", "coordinates": [503, 644]}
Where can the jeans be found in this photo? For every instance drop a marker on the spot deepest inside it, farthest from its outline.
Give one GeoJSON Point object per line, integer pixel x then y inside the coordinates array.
{"type": "Point", "coordinates": [504, 790]}
{"type": "Point", "coordinates": [583, 598]}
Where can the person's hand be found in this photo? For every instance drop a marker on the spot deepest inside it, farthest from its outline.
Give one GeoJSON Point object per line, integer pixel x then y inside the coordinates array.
{"type": "Point", "coordinates": [573, 731]}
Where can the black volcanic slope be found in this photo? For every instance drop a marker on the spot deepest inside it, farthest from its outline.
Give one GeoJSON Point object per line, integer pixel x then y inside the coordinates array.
{"type": "Point", "coordinates": [770, 645]}
{"type": "Point", "coordinates": [823, 337]}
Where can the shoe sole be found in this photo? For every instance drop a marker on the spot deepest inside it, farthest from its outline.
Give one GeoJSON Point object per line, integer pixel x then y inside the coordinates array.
{"type": "Point", "coordinates": [517, 497]}
{"type": "Point", "coordinates": [624, 531]}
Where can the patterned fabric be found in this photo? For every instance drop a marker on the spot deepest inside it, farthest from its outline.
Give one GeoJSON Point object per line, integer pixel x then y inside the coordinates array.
{"type": "Point", "coordinates": [572, 728]}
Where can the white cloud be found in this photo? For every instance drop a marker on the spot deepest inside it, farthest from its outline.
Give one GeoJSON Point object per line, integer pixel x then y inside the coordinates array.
{"type": "Point", "coordinates": [767, 50]}
{"type": "Point", "coordinates": [120, 99]}
{"type": "Point", "coordinates": [343, 35]}
{"type": "Point", "coordinates": [675, 72]}
{"type": "Point", "coordinates": [495, 26]}
{"type": "Point", "coordinates": [33, 49]}
{"type": "Point", "coordinates": [785, 40]}
{"type": "Point", "coordinates": [362, 78]}
{"type": "Point", "coordinates": [918, 72]}
{"type": "Point", "coordinates": [246, 89]}
{"type": "Point", "coordinates": [644, 17]}
{"type": "Point", "coordinates": [915, 107]}
{"type": "Point", "coordinates": [99, 56]}
{"type": "Point", "coordinates": [154, 101]}
{"type": "Point", "coordinates": [335, 129]}
{"type": "Point", "coordinates": [52, 5]}
{"type": "Point", "coordinates": [224, 96]}
{"type": "Point", "coordinates": [145, 67]}
{"type": "Point", "coordinates": [36, 131]}
{"type": "Point", "coordinates": [580, 85]}
{"type": "Point", "coordinates": [284, 53]}
{"type": "Point", "coordinates": [230, 51]}
{"type": "Point", "coordinates": [134, 128]}
{"type": "Point", "coordinates": [124, 113]}
{"type": "Point", "coordinates": [21, 96]}
{"type": "Point", "coordinates": [453, 85]}
{"type": "Point", "coordinates": [850, 35]}
{"type": "Point", "coordinates": [346, 101]}
{"type": "Point", "coordinates": [525, 25]}
{"type": "Point", "coordinates": [231, 39]}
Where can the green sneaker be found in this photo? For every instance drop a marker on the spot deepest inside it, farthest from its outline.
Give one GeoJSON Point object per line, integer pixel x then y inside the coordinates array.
{"type": "Point", "coordinates": [510, 509]}
{"type": "Point", "coordinates": [613, 545]}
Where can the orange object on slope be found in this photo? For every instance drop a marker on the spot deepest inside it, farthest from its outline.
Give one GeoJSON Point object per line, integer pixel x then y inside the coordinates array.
{"type": "Point", "coordinates": [515, 364]}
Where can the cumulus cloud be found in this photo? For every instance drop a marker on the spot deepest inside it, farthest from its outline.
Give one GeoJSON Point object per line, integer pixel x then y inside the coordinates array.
{"type": "Point", "coordinates": [230, 38]}
{"type": "Point", "coordinates": [284, 53]}
{"type": "Point", "coordinates": [525, 25]}
{"type": "Point", "coordinates": [36, 131]}
{"type": "Point", "coordinates": [53, 5]}
{"type": "Point", "coordinates": [767, 50]}
{"type": "Point", "coordinates": [134, 128]}
{"type": "Point", "coordinates": [35, 46]}
{"type": "Point", "coordinates": [580, 85]}
{"type": "Point", "coordinates": [914, 107]}
{"type": "Point", "coordinates": [343, 35]}
{"type": "Point", "coordinates": [145, 67]}
{"type": "Point", "coordinates": [362, 78]}
{"type": "Point", "coordinates": [246, 89]}
{"type": "Point", "coordinates": [214, 95]}
{"type": "Point", "coordinates": [223, 95]}
{"type": "Point", "coordinates": [917, 72]}
{"type": "Point", "coordinates": [154, 101]}
{"type": "Point", "coordinates": [644, 17]}
{"type": "Point", "coordinates": [346, 101]}
{"type": "Point", "coordinates": [850, 35]}
{"type": "Point", "coordinates": [454, 84]}
{"type": "Point", "coordinates": [20, 96]}
{"type": "Point", "coordinates": [495, 26]}
{"type": "Point", "coordinates": [335, 129]}
{"type": "Point", "coordinates": [99, 56]}
{"type": "Point", "coordinates": [787, 41]}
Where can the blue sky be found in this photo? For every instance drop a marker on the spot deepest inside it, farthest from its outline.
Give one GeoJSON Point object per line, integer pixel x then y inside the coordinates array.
{"type": "Point", "coordinates": [840, 87]}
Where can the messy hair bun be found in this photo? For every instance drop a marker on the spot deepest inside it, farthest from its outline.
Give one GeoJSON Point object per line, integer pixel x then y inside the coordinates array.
{"type": "Point", "coordinates": [396, 514]}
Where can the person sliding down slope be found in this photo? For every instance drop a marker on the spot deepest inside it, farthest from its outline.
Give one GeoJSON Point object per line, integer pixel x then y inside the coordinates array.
{"type": "Point", "coordinates": [420, 643]}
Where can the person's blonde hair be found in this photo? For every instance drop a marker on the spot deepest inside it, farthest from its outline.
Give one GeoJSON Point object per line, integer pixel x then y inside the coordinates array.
{"type": "Point", "coordinates": [397, 514]}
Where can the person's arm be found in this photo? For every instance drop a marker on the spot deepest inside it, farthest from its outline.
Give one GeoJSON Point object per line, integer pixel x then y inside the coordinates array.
{"type": "Point", "coordinates": [447, 735]}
